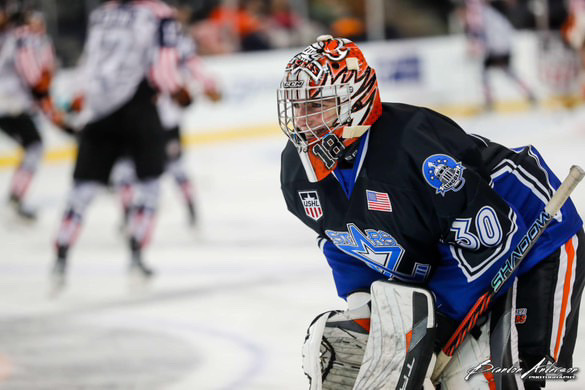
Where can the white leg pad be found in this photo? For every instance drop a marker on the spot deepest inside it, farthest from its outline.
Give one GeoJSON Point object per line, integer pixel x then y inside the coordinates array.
{"type": "Point", "coordinates": [402, 319]}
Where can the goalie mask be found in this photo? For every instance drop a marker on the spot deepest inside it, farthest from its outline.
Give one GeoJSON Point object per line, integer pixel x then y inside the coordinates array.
{"type": "Point", "coordinates": [327, 99]}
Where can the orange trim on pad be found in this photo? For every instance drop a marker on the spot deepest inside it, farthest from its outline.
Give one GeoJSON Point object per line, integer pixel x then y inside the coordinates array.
{"type": "Point", "coordinates": [566, 295]}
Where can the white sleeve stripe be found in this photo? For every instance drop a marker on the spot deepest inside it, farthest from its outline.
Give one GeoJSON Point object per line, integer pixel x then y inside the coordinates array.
{"type": "Point", "coordinates": [535, 157]}
{"type": "Point", "coordinates": [480, 139]}
{"type": "Point", "coordinates": [538, 188]}
{"type": "Point", "coordinates": [537, 185]}
{"type": "Point", "coordinates": [321, 242]}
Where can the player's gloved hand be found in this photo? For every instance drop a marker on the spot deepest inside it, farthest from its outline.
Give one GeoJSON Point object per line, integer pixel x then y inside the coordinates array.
{"type": "Point", "coordinates": [51, 112]}
{"type": "Point", "coordinates": [55, 116]}
{"type": "Point", "coordinates": [213, 94]}
{"type": "Point", "coordinates": [182, 97]}
{"type": "Point", "coordinates": [41, 89]}
{"type": "Point", "coordinates": [76, 105]}
{"type": "Point", "coordinates": [334, 348]}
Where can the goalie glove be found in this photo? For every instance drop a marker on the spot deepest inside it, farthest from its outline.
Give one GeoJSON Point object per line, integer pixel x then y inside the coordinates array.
{"type": "Point", "coordinates": [334, 348]}
{"type": "Point", "coordinates": [343, 350]}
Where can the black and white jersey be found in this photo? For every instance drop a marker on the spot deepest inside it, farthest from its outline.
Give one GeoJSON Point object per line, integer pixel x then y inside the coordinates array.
{"type": "Point", "coordinates": [24, 58]}
{"type": "Point", "coordinates": [426, 203]}
{"type": "Point", "coordinates": [169, 111]}
{"type": "Point", "coordinates": [127, 43]}
{"type": "Point", "coordinates": [492, 30]}
{"type": "Point", "coordinates": [195, 76]}
{"type": "Point", "coordinates": [574, 28]}
{"type": "Point", "coordinates": [193, 67]}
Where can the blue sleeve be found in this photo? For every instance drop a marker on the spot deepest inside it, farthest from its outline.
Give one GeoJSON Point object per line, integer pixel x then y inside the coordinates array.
{"type": "Point", "coordinates": [349, 273]}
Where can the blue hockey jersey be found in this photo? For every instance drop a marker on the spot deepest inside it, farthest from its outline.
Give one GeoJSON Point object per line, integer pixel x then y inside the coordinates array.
{"type": "Point", "coordinates": [422, 202]}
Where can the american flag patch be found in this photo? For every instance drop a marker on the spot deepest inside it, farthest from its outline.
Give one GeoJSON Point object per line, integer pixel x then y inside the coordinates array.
{"type": "Point", "coordinates": [378, 201]}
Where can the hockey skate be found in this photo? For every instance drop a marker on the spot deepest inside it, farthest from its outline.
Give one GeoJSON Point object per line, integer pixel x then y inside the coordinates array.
{"type": "Point", "coordinates": [192, 214]}
{"type": "Point", "coordinates": [57, 277]}
{"type": "Point", "coordinates": [139, 274]}
{"type": "Point", "coordinates": [23, 212]}
{"type": "Point", "coordinates": [123, 227]}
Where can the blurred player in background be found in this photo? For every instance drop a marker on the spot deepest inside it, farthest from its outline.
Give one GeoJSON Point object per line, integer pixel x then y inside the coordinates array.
{"type": "Point", "coordinates": [401, 193]}
{"type": "Point", "coordinates": [130, 55]}
{"type": "Point", "coordinates": [171, 113]}
{"type": "Point", "coordinates": [490, 35]}
{"type": "Point", "coordinates": [573, 30]}
{"type": "Point", "coordinates": [27, 63]}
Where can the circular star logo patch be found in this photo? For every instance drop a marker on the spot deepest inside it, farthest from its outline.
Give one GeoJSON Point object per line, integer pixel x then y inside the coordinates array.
{"type": "Point", "coordinates": [443, 173]}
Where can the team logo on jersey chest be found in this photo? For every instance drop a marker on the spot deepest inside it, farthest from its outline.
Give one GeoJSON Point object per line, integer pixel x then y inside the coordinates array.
{"type": "Point", "coordinates": [443, 173]}
{"type": "Point", "coordinates": [378, 250]}
{"type": "Point", "coordinates": [311, 204]}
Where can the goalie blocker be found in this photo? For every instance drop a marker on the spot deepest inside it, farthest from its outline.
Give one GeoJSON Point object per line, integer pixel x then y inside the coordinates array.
{"type": "Point", "coordinates": [391, 348]}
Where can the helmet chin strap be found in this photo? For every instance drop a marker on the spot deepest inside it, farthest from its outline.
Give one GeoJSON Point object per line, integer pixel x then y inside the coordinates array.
{"type": "Point", "coordinates": [309, 169]}
{"type": "Point", "coordinates": [354, 131]}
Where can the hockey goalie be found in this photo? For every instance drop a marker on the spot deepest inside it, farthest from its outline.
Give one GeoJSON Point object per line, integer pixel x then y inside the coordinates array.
{"type": "Point", "coordinates": [418, 220]}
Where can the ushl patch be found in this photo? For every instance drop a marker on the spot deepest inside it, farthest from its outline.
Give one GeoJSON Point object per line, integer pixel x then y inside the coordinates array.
{"type": "Point", "coordinates": [521, 315]}
{"type": "Point", "coordinates": [311, 204]}
{"type": "Point", "coordinates": [378, 201]}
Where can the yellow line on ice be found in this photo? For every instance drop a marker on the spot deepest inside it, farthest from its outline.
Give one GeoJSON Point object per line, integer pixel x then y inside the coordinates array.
{"type": "Point", "coordinates": [67, 153]}
{"type": "Point", "coordinates": [191, 139]}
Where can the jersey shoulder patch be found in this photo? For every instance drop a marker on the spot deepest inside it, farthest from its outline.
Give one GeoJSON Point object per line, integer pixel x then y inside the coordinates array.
{"type": "Point", "coordinates": [443, 173]}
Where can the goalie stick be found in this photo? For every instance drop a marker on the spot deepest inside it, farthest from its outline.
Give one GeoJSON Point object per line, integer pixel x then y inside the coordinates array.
{"type": "Point", "coordinates": [575, 175]}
